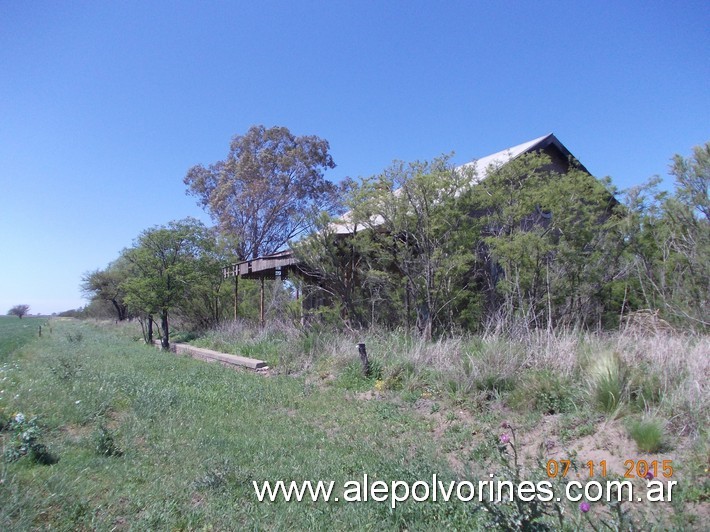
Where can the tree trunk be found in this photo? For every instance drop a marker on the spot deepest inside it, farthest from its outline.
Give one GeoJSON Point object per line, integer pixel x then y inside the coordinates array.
{"type": "Point", "coordinates": [150, 330]}
{"type": "Point", "coordinates": [120, 310]}
{"type": "Point", "coordinates": [165, 340]}
{"type": "Point", "coordinates": [426, 334]}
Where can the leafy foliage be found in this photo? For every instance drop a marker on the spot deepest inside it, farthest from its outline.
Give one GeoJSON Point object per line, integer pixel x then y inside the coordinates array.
{"type": "Point", "coordinates": [547, 241]}
{"type": "Point", "coordinates": [667, 244]}
{"type": "Point", "coordinates": [262, 193]}
{"type": "Point", "coordinates": [411, 250]}
{"type": "Point", "coordinates": [107, 285]}
{"type": "Point", "coordinates": [19, 311]}
{"type": "Point", "coordinates": [168, 264]}
{"type": "Point", "coordinates": [26, 441]}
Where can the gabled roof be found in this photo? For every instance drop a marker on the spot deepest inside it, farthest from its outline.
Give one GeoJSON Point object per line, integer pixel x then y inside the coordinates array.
{"type": "Point", "coordinates": [481, 168]}
{"type": "Point", "coordinates": [498, 159]}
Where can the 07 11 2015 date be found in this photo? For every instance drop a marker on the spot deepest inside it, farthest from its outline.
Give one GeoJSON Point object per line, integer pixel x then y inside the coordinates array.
{"type": "Point", "coordinates": [633, 468]}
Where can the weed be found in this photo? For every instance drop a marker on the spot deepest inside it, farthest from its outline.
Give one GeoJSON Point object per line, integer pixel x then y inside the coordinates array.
{"type": "Point", "coordinates": [66, 367]}
{"type": "Point", "coordinates": [411, 396]}
{"type": "Point", "coordinates": [648, 434]}
{"type": "Point", "coordinates": [645, 388]}
{"type": "Point", "coordinates": [27, 442]}
{"type": "Point", "coordinates": [607, 382]}
{"type": "Point", "coordinates": [573, 427]}
{"type": "Point", "coordinates": [543, 391]}
{"type": "Point", "coordinates": [353, 379]}
{"type": "Point", "coordinates": [105, 442]}
{"type": "Point", "coordinates": [75, 337]}
{"type": "Point", "coordinates": [547, 514]}
{"type": "Point", "coordinates": [216, 477]}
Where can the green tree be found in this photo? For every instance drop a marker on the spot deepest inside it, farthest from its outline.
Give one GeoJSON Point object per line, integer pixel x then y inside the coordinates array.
{"type": "Point", "coordinates": [417, 238]}
{"type": "Point", "coordinates": [106, 285]}
{"type": "Point", "coordinates": [333, 266]}
{"type": "Point", "coordinates": [167, 263]}
{"type": "Point", "coordinates": [549, 244]}
{"type": "Point", "coordinates": [19, 311]}
{"type": "Point", "coordinates": [669, 237]}
{"type": "Point", "coordinates": [204, 303]}
{"type": "Point", "coordinates": [264, 191]}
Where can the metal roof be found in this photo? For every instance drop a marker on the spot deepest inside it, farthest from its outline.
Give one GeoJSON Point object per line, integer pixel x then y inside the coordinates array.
{"type": "Point", "coordinates": [481, 167]}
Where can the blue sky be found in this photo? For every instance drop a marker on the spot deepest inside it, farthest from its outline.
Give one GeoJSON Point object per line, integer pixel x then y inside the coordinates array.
{"type": "Point", "coordinates": [104, 106]}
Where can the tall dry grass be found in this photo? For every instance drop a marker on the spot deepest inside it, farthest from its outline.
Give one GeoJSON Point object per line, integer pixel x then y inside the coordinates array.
{"type": "Point", "coordinates": [661, 373]}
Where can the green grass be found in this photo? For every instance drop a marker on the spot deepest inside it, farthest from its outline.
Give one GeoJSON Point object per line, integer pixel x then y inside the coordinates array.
{"type": "Point", "coordinates": [192, 437]}
{"type": "Point", "coordinates": [150, 440]}
{"type": "Point", "coordinates": [648, 434]}
{"type": "Point", "coordinates": [15, 332]}
{"type": "Point", "coordinates": [607, 382]}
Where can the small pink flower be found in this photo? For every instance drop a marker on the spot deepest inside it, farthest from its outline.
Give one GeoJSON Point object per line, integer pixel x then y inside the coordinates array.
{"type": "Point", "coordinates": [649, 475]}
{"type": "Point", "coordinates": [505, 425]}
{"type": "Point", "coordinates": [584, 507]}
{"type": "Point", "coordinates": [504, 438]}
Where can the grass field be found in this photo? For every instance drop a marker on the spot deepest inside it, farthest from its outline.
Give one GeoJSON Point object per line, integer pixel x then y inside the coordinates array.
{"type": "Point", "coordinates": [15, 332]}
{"type": "Point", "coordinates": [141, 439]}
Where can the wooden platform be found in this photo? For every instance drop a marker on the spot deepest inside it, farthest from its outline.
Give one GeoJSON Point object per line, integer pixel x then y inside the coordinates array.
{"type": "Point", "coordinates": [215, 356]}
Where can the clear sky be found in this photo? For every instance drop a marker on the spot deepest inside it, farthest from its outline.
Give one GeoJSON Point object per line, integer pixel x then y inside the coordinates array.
{"type": "Point", "coordinates": [104, 106]}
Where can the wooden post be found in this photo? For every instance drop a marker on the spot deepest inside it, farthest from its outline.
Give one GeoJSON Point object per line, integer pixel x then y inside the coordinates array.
{"type": "Point", "coordinates": [364, 360]}
{"type": "Point", "coordinates": [261, 306]}
{"type": "Point", "coordinates": [300, 305]}
{"type": "Point", "coordinates": [236, 295]}
{"type": "Point", "coordinates": [40, 330]}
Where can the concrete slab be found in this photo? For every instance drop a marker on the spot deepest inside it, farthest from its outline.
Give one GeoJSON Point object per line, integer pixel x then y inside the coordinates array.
{"type": "Point", "coordinates": [209, 355]}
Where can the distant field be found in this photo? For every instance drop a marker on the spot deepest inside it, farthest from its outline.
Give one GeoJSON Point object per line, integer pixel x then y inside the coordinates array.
{"type": "Point", "coordinates": [15, 332]}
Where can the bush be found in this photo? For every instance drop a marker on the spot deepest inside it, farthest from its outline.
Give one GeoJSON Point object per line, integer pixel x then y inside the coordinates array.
{"type": "Point", "coordinates": [352, 378]}
{"type": "Point", "coordinates": [543, 391]}
{"type": "Point", "coordinates": [106, 443]}
{"type": "Point", "coordinates": [645, 388]}
{"type": "Point", "coordinates": [607, 382]}
{"type": "Point", "coordinates": [26, 442]}
{"type": "Point", "coordinates": [648, 434]}
{"type": "Point", "coordinates": [75, 337]}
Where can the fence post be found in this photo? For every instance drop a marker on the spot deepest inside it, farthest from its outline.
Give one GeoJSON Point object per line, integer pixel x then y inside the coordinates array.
{"type": "Point", "coordinates": [363, 358]}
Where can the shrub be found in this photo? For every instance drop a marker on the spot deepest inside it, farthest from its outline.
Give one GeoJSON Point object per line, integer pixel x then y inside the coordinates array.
{"type": "Point", "coordinates": [543, 391]}
{"type": "Point", "coordinates": [75, 337]}
{"type": "Point", "coordinates": [66, 368]}
{"type": "Point", "coordinates": [106, 443]}
{"type": "Point", "coordinates": [648, 434]}
{"type": "Point", "coordinates": [607, 382]}
{"type": "Point", "coordinates": [396, 375]}
{"type": "Point", "coordinates": [26, 441]}
{"type": "Point", "coordinates": [645, 388]}
{"type": "Point", "coordinates": [352, 378]}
